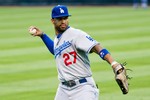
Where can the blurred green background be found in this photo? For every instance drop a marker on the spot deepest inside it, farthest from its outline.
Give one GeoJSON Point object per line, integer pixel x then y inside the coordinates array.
{"type": "Point", "coordinates": [28, 70]}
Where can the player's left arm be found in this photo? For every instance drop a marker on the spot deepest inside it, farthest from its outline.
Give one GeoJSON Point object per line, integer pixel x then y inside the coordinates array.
{"type": "Point", "coordinates": [105, 56]}
{"type": "Point", "coordinates": [119, 69]}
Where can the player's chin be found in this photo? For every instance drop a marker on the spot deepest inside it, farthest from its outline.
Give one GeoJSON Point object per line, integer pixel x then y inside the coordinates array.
{"type": "Point", "coordinates": [63, 28]}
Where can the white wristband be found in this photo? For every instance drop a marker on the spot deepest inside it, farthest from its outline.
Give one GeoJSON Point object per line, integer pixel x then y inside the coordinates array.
{"type": "Point", "coordinates": [113, 63]}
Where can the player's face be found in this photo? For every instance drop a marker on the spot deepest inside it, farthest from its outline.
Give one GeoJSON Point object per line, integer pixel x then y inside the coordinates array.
{"type": "Point", "coordinates": [60, 24]}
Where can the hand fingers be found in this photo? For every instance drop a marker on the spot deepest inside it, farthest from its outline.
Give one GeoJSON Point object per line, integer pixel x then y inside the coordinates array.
{"type": "Point", "coordinates": [32, 30]}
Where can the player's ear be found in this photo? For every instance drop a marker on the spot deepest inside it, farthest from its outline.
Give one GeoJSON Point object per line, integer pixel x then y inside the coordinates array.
{"type": "Point", "coordinates": [52, 20]}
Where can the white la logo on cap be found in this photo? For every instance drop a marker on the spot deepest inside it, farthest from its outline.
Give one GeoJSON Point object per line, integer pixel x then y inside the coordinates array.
{"type": "Point", "coordinates": [61, 10]}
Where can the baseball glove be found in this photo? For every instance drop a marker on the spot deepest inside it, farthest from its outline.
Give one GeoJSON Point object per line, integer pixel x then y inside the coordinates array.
{"type": "Point", "coordinates": [121, 77]}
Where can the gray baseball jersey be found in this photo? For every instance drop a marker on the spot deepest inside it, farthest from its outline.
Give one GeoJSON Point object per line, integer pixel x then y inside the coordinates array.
{"type": "Point", "coordinates": [71, 53]}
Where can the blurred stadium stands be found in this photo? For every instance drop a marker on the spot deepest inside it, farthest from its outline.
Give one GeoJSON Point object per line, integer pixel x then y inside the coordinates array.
{"type": "Point", "coordinates": [68, 2]}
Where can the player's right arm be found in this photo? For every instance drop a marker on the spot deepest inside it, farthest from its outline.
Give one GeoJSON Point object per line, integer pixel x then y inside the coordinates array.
{"type": "Point", "coordinates": [47, 41]}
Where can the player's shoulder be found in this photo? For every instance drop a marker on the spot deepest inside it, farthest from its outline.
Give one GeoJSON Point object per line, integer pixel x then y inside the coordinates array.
{"type": "Point", "coordinates": [76, 31]}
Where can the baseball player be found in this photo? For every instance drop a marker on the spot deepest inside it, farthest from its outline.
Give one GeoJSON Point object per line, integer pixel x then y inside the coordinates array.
{"type": "Point", "coordinates": [70, 48]}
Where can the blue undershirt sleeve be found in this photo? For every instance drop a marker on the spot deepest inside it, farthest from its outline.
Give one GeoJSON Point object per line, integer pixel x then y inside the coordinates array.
{"type": "Point", "coordinates": [48, 42]}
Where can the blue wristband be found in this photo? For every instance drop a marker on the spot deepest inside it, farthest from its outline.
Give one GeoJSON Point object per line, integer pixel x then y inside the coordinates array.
{"type": "Point", "coordinates": [48, 42]}
{"type": "Point", "coordinates": [103, 53]}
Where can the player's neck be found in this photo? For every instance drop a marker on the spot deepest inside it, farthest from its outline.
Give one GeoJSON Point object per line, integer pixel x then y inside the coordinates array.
{"type": "Point", "coordinates": [57, 32]}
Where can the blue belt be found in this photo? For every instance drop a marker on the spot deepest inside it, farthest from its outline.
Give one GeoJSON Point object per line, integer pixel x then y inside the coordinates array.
{"type": "Point", "coordinates": [72, 83]}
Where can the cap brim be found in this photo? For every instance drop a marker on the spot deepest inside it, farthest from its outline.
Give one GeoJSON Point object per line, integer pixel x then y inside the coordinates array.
{"type": "Point", "coordinates": [61, 16]}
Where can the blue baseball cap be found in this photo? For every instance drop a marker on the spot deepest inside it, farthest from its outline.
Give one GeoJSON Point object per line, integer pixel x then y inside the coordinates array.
{"type": "Point", "coordinates": [60, 11]}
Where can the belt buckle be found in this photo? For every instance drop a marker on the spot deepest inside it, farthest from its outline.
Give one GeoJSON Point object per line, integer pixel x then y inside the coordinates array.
{"type": "Point", "coordinates": [71, 83]}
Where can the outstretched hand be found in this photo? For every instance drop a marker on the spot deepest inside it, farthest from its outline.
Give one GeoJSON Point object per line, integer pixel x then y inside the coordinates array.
{"type": "Point", "coordinates": [34, 31]}
{"type": "Point", "coordinates": [121, 77]}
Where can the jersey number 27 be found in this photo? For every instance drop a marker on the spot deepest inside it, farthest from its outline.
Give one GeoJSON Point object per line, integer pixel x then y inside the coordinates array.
{"type": "Point", "coordinates": [67, 58]}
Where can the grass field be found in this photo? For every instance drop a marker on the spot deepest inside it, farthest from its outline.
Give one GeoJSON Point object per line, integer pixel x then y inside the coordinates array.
{"type": "Point", "coordinates": [28, 71]}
